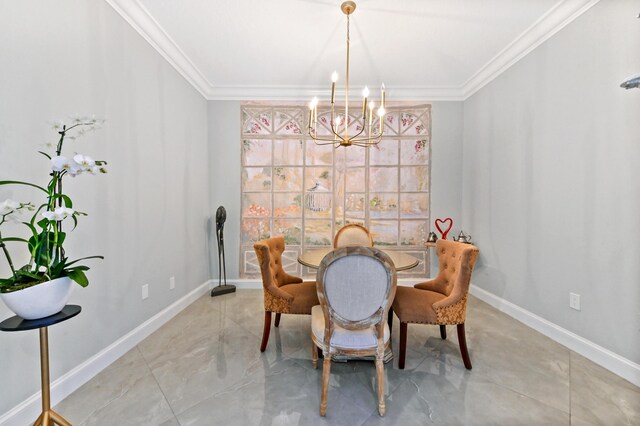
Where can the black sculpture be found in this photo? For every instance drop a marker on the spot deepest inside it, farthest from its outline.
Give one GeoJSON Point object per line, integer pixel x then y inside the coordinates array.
{"type": "Point", "coordinates": [221, 217]}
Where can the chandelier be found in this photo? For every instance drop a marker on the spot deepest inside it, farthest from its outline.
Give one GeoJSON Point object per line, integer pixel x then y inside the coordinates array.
{"type": "Point", "coordinates": [369, 133]}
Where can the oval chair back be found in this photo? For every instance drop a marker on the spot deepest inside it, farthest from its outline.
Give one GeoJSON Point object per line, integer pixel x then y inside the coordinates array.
{"type": "Point", "coordinates": [352, 234]}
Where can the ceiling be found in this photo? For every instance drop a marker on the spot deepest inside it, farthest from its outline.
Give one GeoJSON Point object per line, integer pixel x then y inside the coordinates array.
{"type": "Point", "coordinates": [287, 49]}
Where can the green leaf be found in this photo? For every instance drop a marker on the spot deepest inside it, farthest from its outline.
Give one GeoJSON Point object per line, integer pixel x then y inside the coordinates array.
{"type": "Point", "coordinates": [65, 198]}
{"type": "Point", "coordinates": [84, 258]}
{"type": "Point", "coordinates": [17, 182]}
{"type": "Point", "coordinates": [79, 277]}
{"type": "Point", "coordinates": [45, 154]}
{"type": "Point", "coordinates": [78, 268]}
{"type": "Point", "coordinates": [22, 240]}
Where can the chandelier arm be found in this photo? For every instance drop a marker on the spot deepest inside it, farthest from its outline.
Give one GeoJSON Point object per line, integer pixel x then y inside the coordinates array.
{"type": "Point", "coordinates": [323, 139]}
{"type": "Point", "coordinates": [368, 141]}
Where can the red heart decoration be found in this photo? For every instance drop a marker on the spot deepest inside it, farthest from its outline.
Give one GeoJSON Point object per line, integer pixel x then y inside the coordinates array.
{"type": "Point", "coordinates": [442, 222]}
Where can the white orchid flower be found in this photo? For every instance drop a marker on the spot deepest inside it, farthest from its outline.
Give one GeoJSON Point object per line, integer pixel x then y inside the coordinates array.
{"type": "Point", "coordinates": [60, 213]}
{"type": "Point", "coordinates": [84, 161]}
{"type": "Point", "coordinates": [8, 206]}
{"type": "Point", "coordinates": [78, 118]}
{"type": "Point", "coordinates": [61, 163]}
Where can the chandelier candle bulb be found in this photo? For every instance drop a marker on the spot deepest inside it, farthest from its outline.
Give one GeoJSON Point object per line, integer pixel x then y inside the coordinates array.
{"type": "Point", "coordinates": [334, 78]}
{"type": "Point", "coordinates": [382, 94]}
{"type": "Point", "coordinates": [365, 94]}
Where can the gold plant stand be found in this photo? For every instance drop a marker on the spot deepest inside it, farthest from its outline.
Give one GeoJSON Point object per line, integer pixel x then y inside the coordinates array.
{"type": "Point", "coordinates": [48, 416]}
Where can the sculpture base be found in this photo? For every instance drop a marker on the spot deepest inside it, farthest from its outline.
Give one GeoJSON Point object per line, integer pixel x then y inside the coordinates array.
{"type": "Point", "coordinates": [223, 289]}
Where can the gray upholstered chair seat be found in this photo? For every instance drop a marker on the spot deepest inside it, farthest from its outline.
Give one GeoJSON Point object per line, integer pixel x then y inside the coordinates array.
{"type": "Point", "coordinates": [346, 339]}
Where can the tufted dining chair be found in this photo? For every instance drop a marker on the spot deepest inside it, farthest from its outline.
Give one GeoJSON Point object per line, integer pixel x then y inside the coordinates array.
{"type": "Point", "coordinates": [441, 301]}
{"type": "Point", "coordinates": [352, 234]}
{"type": "Point", "coordinates": [355, 288]}
{"type": "Point", "coordinates": [283, 293]}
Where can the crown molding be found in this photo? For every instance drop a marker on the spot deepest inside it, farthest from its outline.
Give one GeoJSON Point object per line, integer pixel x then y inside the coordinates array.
{"type": "Point", "coordinates": [141, 20]}
{"type": "Point", "coordinates": [295, 93]}
{"type": "Point", "coordinates": [558, 17]}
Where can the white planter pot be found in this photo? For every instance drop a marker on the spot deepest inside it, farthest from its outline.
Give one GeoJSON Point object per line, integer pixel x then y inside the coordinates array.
{"type": "Point", "coordinates": [40, 300]}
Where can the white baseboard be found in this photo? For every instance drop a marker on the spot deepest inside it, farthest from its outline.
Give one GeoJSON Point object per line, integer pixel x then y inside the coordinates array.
{"type": "Point", "coordinates": [29, 409]}
{"type": "Point", "coordinates": [613, 362]}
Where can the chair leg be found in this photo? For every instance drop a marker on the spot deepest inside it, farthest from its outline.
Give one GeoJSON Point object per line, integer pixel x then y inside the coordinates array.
{"type": "Point", "coordinates": [403, 345]}
{"type": "Point", "coordinates": [326, 369]}
{"type": "Point", "coordinates": [443, 332]}
{"type": "Point", "coordinates": [314, 354]}
{"type": "Point", "coordinates": [462, 341]}
{"type": "Point", "coordinates": [277, 320]}
{"type": "Point", "coordinates": [265, 332]}
{"type": "Point", "coordinates": [390, 319]}
{"type": "Point", "coordinates": [380, 379]}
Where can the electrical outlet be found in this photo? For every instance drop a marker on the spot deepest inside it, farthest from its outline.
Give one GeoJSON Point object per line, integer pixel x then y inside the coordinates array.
{"type": "Point", "coordinates": [145, 291]}
{"type": "Point", "coordinates": [574, 301]}
{"type": "Point", "coordinates": [172, 283]}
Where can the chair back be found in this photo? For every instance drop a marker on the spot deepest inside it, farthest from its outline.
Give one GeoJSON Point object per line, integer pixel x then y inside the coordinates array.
{"type": "Point", "coordinates": [352, 234]}
{"type": "Point", "coordinates": [456, 265]}
{"type": "Point", "coordinates": [269, 253]}
{"type": "Point", "coordinates": [356, 286]}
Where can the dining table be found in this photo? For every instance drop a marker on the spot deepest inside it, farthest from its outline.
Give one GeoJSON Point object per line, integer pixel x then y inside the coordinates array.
{"type": "Point", "coordinates": [402, 261]}
{"type": "Point", "coordinates": [313, 257]}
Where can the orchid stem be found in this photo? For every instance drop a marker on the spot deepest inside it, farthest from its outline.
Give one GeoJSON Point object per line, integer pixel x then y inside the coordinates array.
{"type": "Point", "coordinates": [6, 254]}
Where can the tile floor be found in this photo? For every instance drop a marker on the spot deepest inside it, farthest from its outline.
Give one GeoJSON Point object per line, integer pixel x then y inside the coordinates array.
{"type": "Point", "coordinates": [204, 367]}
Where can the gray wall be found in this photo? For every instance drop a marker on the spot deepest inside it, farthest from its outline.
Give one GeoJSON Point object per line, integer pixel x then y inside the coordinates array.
{"type": "Point", "coordinates": [551, 181]}
{"type": "Point", "coordinates": [146, 216]}
{"type": "Point", "coordinates": [224, 143]}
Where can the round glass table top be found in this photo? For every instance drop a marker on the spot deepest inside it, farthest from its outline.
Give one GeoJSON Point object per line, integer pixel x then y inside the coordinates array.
{"type": "Point", "coordinates": [313, 257]}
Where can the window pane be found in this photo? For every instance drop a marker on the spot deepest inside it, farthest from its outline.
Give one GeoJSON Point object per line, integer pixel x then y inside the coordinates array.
{"type": "Point", "coordinates": [287, 205]}
{"type": "Point", "coordinates": [414, 178]}
{"type": "Point", "coordinates": [356, 179]}
{"type": "Point", "coordinates": [414, 205]}
{"type": "Point", "coordinates": [287, 178]}
{"type": "Point", "coordinates": [256, 179]}
{"type": "Point", "coordinates": [288, 152]}
{"type": "Point", "coordinates": [318, 233]}
{"type": "Point", "coordinates": [255, 230]}
{"type": "Point", "coordinates": [355, 205]}
{"type": "Point", "coordinates": [383, 205]}
{"type": "Point", "coordinates": [414, 152]}
{"type": "Point", "coordinates": [318, 155]}
{"type": "Point", "coordinates": [291, 230]}
{"type": "Point", "coordinates": [384, 232]}
{"type": "Point", "coordinates": [383, 179]}
{"type": "Point", "coordinates": [413, 232]}
{"type": "Point", "coordinates": [256, 152]}
{"type": "Point", "coordinates": [386, 152]}
{"type": "Point", "coordinates": [256, 205]}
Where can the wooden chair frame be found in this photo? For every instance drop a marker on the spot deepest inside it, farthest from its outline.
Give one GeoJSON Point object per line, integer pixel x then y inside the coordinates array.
{"type": "Point", "coordinates": [351, 226]}
{"type": "Point", "coordinates": [331, 317]}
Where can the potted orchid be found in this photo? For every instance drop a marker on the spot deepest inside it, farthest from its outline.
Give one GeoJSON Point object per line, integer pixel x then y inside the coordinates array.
{"type": "Point", "coordinates": [43, 286]}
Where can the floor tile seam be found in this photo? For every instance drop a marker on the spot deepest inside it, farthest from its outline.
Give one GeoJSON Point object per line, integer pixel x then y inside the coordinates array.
{"type": "Point", "coordinates": [227, 389]}
{"type": "Point", "coordinates": [570, 383]}
{"type": "Point", "coordinates": [488, 378]}
{"type": "Point", "coordinates": [155, 379]}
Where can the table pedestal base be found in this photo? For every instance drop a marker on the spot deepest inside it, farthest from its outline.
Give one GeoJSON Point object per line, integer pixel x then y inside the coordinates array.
{"type": "Point", "coordinates": [48, 416]}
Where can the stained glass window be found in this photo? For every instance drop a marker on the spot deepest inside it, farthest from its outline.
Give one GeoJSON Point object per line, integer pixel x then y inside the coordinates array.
{"type": "Point", "coordinates": [293, 188]}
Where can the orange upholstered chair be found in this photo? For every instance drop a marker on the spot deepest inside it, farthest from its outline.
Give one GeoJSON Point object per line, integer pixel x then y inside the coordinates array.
{"type": "Point", "coordinates": [352, 234]}
{"type": "Point", "coordinates": [441, 301]}
{"type": "Point", "coordinates": [283, 293]}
